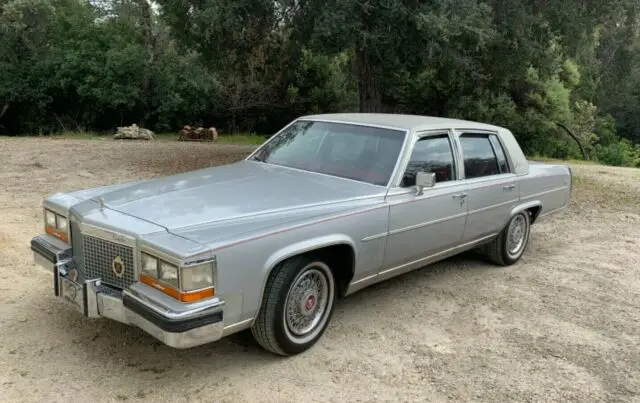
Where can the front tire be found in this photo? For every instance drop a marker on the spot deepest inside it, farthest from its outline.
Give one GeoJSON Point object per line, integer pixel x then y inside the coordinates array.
{"type": "Point", "coordinates": [508, 247]}
{"type": "Point", "coordinates": [297, 305]}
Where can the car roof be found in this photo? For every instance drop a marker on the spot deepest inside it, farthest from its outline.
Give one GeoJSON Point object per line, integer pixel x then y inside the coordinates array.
{"type": "Point", "coordinates": [400, 121]}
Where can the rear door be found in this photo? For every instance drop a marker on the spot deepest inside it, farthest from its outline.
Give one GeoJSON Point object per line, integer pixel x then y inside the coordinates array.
{"type": "Point", "coordinates": [490, 182]}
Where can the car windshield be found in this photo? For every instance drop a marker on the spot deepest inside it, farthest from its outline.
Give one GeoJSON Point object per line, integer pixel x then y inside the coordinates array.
{"type": "Point", "coordinates": [362, 153]}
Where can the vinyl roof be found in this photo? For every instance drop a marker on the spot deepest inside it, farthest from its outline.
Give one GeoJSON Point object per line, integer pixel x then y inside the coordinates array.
{"type": "Point", "coordinates": [399, 121]}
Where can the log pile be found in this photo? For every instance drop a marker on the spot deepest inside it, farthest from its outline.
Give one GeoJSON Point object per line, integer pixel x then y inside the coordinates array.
{"type": "Point", "coordinates": [189, 133]}
{"type": "Point", "coordinates": [133, 132]}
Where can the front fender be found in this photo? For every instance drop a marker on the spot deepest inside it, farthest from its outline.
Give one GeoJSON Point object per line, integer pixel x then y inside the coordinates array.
{"type": "Point", "coordinates": [305, 246]}
{"type": "Point", "coordinates": [298, 248]}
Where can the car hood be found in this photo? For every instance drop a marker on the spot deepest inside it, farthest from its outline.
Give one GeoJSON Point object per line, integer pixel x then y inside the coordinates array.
{"type": "Point", "coordinates": [242, 190]}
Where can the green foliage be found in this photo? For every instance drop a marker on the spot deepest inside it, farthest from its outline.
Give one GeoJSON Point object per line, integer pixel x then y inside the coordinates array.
{"type": "Point", "coordinates": [570, 74]}
{"type": "Point", "coordinates": [184, 90]}
{"type": "Point", "coordinates": [621, 153]}
{"type": "Point", "coordinates": [81, 72]}
{"type": "Point", "coordinates": [605, 130]}
{"type": "Point", "coordinates": [583, 123]}
{"type": "Point", "coordinates": [320, 85]}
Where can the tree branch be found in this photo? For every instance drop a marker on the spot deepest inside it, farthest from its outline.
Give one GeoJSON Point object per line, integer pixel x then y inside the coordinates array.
{"type": "Point", "coordinates": [584, 152]}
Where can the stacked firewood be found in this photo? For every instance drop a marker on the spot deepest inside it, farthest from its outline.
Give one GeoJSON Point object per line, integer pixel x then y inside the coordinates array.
{"type": "Point", "coordinates": [189, 133]}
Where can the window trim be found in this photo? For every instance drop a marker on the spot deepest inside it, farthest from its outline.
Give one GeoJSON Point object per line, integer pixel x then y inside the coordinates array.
{"type": "Point", "coordinates": [461, 132]}
{"type": "Point", "coordinates": [410, 145]}
{"type": "Point", "coordinates": [451, 150]}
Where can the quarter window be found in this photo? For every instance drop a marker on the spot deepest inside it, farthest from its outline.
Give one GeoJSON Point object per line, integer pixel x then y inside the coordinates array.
{"type": "Point", "coordinates": [431, 154]}
{"type": "Point", "coordinates": [479, 156]}
{"type": "Point", "coordinates": [502, 159]}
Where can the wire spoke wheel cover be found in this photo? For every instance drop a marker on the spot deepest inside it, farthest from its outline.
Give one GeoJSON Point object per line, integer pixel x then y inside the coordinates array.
{"type": "Point", "coordinates": [517, 234]}
{"type": "Point", "coordinates": [297, 305]}
{"type": "Point", "coordinates": [308, 302]}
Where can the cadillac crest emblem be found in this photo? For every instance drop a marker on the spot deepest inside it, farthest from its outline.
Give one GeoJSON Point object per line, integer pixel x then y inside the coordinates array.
{"type": "Point", "coordinates": [118, 267]}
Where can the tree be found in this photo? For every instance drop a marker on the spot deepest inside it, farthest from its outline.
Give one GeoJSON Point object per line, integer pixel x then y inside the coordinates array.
{"type": "Point", "coordinates": [534, 66]}
{"type": "Point", "coordinates": [393, 42]}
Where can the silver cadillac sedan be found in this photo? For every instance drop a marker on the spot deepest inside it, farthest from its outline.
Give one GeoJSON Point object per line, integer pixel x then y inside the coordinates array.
{"type": "Point", "coordinates": [327, 206]}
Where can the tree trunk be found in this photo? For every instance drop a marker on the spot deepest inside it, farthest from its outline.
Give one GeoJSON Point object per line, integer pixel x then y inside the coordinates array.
{"type": "Point", "coordinates": [368, 86]}
{"type": "Point", "coordinates": [146, 19]}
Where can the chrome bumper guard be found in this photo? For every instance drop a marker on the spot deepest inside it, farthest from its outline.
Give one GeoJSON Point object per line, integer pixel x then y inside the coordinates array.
{"type": "Point", "coordinates": [193, 326]}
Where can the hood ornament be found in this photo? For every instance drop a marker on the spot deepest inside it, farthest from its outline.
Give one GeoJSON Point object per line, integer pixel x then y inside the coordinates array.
{"type": "Point", "coordinates": [101, 200]}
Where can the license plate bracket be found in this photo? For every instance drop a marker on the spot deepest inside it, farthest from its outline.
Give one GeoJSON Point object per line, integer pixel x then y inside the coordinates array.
{"type": "Point", "coordinates": [71, 292]}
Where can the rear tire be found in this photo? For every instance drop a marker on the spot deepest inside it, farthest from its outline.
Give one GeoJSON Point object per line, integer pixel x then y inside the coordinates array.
{"type": "Point", "coordinates": [297, 305]}
{"type": "Point", "coordinates": [508, 247]}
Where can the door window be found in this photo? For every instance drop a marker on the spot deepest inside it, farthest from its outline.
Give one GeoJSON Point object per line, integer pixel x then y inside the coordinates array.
{"type": "Point", "coordinates": [479, 156]}
{"type": "Point", "coordinates": [431, 154]}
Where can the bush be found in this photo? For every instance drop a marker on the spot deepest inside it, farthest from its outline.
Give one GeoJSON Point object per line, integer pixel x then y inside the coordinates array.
{"type": "Point", "coordinates": [621, 153]}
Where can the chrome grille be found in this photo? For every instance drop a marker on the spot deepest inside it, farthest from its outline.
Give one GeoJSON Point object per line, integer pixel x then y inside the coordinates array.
{"type": "Point", "coordinates": [98, 259]}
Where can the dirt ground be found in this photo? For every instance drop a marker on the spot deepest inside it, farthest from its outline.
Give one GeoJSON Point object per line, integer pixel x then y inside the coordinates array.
{"type": "Point", "coordinates": [561, 325]}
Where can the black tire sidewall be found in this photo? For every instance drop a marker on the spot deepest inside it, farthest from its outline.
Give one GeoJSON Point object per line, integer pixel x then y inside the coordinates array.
{"type": "Point", "coordinates": [292, 272]}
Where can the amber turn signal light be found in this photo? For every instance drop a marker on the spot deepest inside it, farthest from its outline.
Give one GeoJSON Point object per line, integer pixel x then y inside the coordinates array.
{"type": "Point", "coordinates": [182, 296]}
{"type": "Point", "coordinates": [60, 235]}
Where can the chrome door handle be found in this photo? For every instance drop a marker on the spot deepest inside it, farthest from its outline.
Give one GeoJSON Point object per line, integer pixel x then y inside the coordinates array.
{"type": "Point", "coordinates": [460, 196]}
{"type": "Point", "coordinates": [508, 187]}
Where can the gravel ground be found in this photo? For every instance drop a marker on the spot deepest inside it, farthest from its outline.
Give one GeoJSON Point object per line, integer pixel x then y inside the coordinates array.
{"type": "Point", "coordinates": [561, 325]}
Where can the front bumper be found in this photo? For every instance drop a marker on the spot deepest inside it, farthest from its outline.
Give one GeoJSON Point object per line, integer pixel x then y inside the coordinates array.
{"type": "Point", "coordinates": [176, 325]}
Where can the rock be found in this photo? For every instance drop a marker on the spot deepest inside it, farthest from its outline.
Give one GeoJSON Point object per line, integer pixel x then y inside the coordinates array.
{"type": "Point", "coordinates": [134, 132]}
{"type": "Point", "coordinates": [189, 133]}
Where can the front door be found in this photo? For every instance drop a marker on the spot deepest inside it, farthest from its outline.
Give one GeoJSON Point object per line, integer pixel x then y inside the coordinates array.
{"type": "Point", "coordinates": [427, 224]}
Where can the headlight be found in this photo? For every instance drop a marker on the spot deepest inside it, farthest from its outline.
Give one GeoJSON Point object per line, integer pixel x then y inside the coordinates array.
{"type": "Point", "coordinates": [184, 283]}
{"type": "Point", "coordinates": [169, 274]}
{"type": "Point", "coordinates": [197, 277]}
{"type": "Point", "coordinates": [56, 225]}
{"type": "Point", "coordinates": [149, 265]}
{"type": "Point", "coordinates": [50, 218]}
{"type": "Point", "coordinates": [62, 224]}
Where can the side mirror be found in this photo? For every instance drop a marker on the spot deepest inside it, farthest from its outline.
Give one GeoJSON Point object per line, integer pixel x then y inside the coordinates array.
{"type": "Point", "coordinates": [424, 180]}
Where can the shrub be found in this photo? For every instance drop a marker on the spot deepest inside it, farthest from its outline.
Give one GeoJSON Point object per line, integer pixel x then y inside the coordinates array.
{"type": "Point", "coordinates": [621, 153]}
